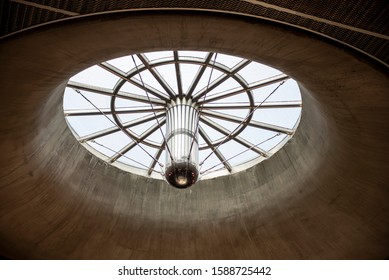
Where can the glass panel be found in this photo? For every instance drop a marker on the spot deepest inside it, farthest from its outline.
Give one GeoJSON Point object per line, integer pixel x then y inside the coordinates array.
{"type": "Point", "coordinates": [114, 142]}
{"type": "Point", "coordinates": [236, 153]}
{"type": "Point", "coordinates": [168, 73]}
{"type": "Point", "coordinates": [256, 135]}
{"type": "Point", "coordinates": [210, 162]}
{"type": "Point", "coordinates": [136, 157]}
{"type": "Point", "coordinates": [193, 54]}
{"type": "Point", "coordinates": [157, 55]}
{"type": "Point", "coordinates": [228, 60]}
{"type": "Point", "coordinates": [227, 85]}
{"type": "Point", "coordinates": [255, 72]}
{"type": "Point", "coordinates": [205, 78]}
{"type": "Point", "coordinates": [188, 73]}
{"type": "Point", "coordinates": [96, 76]}
{"type": "Point", "coordinates": [124, 63]}
{"type": "Point", "coordinates": [285, 117]}
{"type": "Point", "coordinates": [86, 125]}
{"type": "Point", "coordinates": [74, 100]}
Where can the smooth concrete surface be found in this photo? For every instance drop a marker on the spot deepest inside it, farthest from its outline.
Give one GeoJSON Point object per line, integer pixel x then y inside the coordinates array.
{"type": "Point", "coordinates": [323, 196]}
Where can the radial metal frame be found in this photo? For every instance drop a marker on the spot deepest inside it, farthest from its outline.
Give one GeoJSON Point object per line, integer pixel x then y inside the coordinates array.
{"type": "Point", "coordinates": [160, 101]}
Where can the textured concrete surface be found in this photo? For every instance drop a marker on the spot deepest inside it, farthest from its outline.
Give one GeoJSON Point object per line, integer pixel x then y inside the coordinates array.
{"type": "Point", "coordinates": [323, 196]}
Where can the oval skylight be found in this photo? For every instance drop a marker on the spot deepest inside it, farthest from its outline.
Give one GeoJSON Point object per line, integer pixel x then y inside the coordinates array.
{"type": "Point", "coordinates": [117, 109]}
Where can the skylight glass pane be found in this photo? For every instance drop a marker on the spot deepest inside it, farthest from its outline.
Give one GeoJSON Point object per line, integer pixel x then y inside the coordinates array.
{"type": "Point", "coordinates": [228, 60]}
{"type": "Point", "coordinates": [141, 128]}
{"type": "Point", "coordinates": [123, 63]}
{"type": "Point", "coordinates": [235, 153]}
{"type": "Point", "coordinates": [89, 124]}
{"type": "Point", "coordinates": [285, 117]}
{"type": "Point", "coordinates": [114, 141]}
{"type": "Point", "coordinates": [124, 118]}
{"type": "Point", "coordinates": [168, 73]}
{"type": "Point", "coordinates": [148, 79]}
{"type": "Point", "coordinates": [227, 85]}
{"type": "Point", "coordinates": [256, 135]}
{"type": "Point", "coordinates": [210, 162]}
{"type": "Point", "coordinates": [212, 133]}
{"type": "Point", "coordinates": [256, 72]}
{"type": "Point", "coordinates": [157, 55]}
{"type": "Point", "coordinates": [96, 76]}
{"type": "Point", "coordinates": [132, 158]}
{"type": "Point", "coordinates": [205, 78]}
{"type": "Point", "coordinates": [192, 54]}
{"type": "Point", "coordinates": [130, 88]}
{"type": "Point", "coordinates": [188, 73]}
{"type": "Point", "coordinates": [74, 100]}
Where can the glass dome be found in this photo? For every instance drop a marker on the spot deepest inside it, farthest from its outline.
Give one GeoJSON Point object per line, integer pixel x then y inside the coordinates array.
{"type": "Point", "coordinates": [118, 110]}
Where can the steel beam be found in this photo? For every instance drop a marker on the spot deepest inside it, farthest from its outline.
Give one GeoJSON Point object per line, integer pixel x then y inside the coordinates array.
{"type": "Point", "coordinates": [238, 139]}
{"type": "Point", "coordinates": [253, 123]}
{"type": "Point", "coordinates": [252, 86]}
{"type": "Point", "coordinates": [217, 152]}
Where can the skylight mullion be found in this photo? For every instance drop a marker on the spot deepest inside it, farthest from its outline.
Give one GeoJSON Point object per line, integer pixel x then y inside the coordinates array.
{"type": "Point", "coordinates": [199, 74]}
{"type": "Point", "coordinates": [112, 69]}
{"type": "Point", "coordinates": [110, 92]}
{"type": "Point", "coordinates": [138, 110]}
{"type": "Point", "coordinates": [143, 136]}
{"type": "Point", "coordinates": [93, 112]}
{"type": "Point", "coordinates": [238, 139]}
{"type": "Point", "coordinates": [252, 86]}
{"type": "Point", "coordinates": [217, 152]}
{"type": "Point", "coordinates": [124, 150]}
{"type": "Point", "coordinates": [98, 134]}
{"type": "Point", "coordinates": [247, 105]}
{"type": "Point", "coordinates": [222, 78]}
{"type": "Point", "coordinates": [156, 158]}
{"type": "Point", "coordinates": [157, 75]}
{"type": "Point", "coordinates": [142, 120]}
{"type": "Point", "coordinates": [114, 129]}
{"type": "Point", "coordinates": [253, 123]}
{"type": "Point", "coordinates": [178, 74]}
{"type": "Point", "coordinates": [140, 98]}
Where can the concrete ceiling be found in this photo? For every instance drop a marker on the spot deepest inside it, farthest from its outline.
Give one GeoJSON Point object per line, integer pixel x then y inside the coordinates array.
{"type": "Point", "coordinates": [323, 196]}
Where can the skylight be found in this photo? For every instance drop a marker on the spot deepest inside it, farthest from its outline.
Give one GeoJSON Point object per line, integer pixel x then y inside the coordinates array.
{"type": "Point", "coordinates": [117, 109]}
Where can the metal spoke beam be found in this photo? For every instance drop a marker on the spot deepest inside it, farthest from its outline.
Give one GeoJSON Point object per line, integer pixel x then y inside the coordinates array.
{"type": "Point", "coordinates": [253, 123]}
{"type": "Point", "coordinates": [156, 75]}
{"type": "Point", "coordinates": [144, 135]}
{"type": "Point", "coordinates": [156, 158]}
{"type": "Point", "coordinates": [114, 129]}
{"type": "Point", "coordinates": [178, 74]}
{"type": "Point", "coordinates": [93, 112]}
{"type": "Point", "coordinates": [199, 74]}
{"type": "Point", "coordinates": [246, 105]}
{"type": "Point", "coordinates": [90, 88]}
{"type": "Point", "coordinates": [110, 92]}
{"type": "Point", "coordinates": [237, 139]}
{"type": "Point", "coordinates": [86, 112]}
{"type": "Point", "coordinates": [119, 73]}
{"type": "Point", "coordinates": [252, 86]}
{"type": "Point", "coordinates": [221, 79]}
{"type": "Point", "coordinates": [217, 152]}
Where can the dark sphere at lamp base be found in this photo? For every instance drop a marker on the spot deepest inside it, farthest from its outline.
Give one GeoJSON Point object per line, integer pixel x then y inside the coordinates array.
{"type": "Point", "coordinates": [181, 175]}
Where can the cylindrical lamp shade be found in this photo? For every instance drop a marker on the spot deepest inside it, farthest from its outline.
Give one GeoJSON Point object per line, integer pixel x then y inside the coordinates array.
{"type": "Point", "coordinates": [182, 151]}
